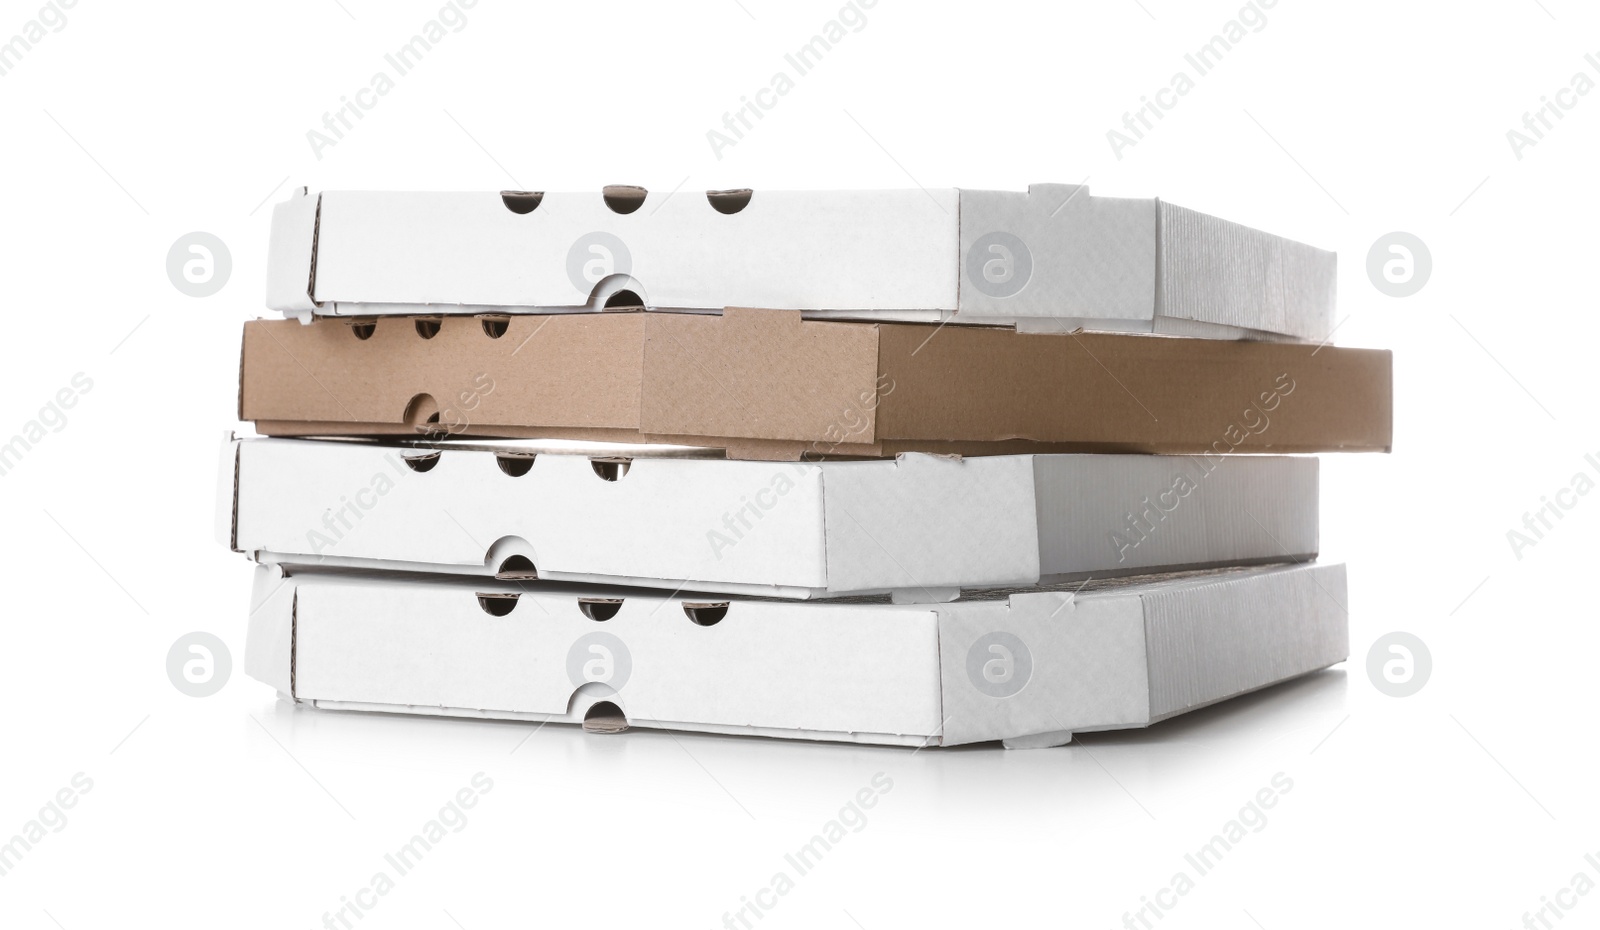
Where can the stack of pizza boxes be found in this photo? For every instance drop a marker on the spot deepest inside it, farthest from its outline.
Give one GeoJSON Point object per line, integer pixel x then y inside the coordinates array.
{"type": "Point", "coordinates": [908, 467]}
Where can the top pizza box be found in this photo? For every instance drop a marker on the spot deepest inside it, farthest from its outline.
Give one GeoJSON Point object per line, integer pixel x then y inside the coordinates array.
{"type": "Point", "coordinates": [1053, 259]}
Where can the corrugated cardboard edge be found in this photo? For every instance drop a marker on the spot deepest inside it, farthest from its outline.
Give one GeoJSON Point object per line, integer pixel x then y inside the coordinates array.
{"type": "Point", "coordinates": [1210, 642]}
{"type": "Point", "coordinates": [226, 526]}
{"type": "Point", "coordinates": [1311, 288]}
{"type": "Point", "coordinates": [1213, 270]}
{"type": "Point", "coordinates": [239, 381]}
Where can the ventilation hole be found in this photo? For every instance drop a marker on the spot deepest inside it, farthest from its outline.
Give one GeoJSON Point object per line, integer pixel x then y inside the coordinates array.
{"type": "Point", "coordinates": [514, 465]}
{"type": "Point", "coordinates": [517, 568]}
{"type": "Point", "coordinates": [521, 201]}
{"type": "Point", "coordinates": [422, 462]}
{"type": "Point", "coordinates": [428, 327]}
{"type": "Point", "coordinates": [706, 614]}
{"type": "Point", "coordinates": [730, 201]}
{"type": "Point", "coordinates": [421, 409]}
{"type": "Point", "coordinates": [498, 605]}
{"type": "Point", "coordinates": [600, 609]}
{"type": "Point", "coordinates": [624, 198]}
{"type": "Point", "coordinates": [364, 328]}
{"type": "Point", "coordinates": [624, 300]}
{"type": "Point", "coordinates": [604, 717]}
{"type": "Point", "coordinates": [610, 469]}
{"type": "Point", "coordinates": [495, 326]}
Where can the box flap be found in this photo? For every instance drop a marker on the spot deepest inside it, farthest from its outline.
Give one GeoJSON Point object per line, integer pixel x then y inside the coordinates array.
{"type": "Point", "coordinates": [269, 638]}
{"type": "Point", "coordinates": [945, 523]}
{"type": "Point", "coordinates": [291, 253]}
{"type": "Point", "coordinates": [1042, 662]}
{"type": "Point", "coordinates": [1128, 655]}
{"type": "Point", "coordinates": [1057, 252]}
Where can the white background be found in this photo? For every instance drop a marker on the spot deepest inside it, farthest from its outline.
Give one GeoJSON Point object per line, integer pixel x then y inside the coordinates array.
{"type": "Point", "coordinates": [1462, 806]}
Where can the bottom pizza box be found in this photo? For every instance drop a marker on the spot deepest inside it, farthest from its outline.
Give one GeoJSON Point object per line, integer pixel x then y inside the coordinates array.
{"type": "Point", "coordinates": [1028, 667]}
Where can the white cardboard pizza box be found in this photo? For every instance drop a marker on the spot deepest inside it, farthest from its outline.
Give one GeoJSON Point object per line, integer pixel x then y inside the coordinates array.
{"type": "Point", "coordinates": [921, 527]}
{"type": "Point", "coordinates": [1054, 258]}
{"type": "Point", "coordinates": [1027, 667]}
